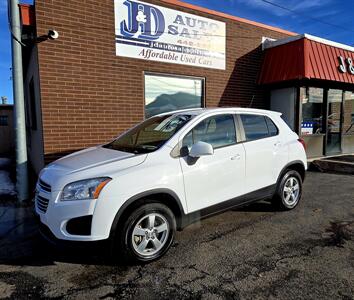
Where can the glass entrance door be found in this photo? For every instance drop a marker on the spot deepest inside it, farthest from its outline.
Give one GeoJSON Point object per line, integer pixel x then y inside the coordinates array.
{"type": "Point", "coordinates": [334, 122]}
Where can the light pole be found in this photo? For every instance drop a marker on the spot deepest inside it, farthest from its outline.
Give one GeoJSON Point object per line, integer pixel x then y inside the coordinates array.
{"type": "Point", "coordinates": [19, 105]}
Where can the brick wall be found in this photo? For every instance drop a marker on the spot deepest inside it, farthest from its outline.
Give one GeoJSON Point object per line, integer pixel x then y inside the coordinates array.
{"type": "Point", "coordinates": [89, 95]}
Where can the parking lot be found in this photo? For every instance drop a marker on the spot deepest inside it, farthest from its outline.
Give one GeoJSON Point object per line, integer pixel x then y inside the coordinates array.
{"type": "Point", "coordinates": [247, 253]}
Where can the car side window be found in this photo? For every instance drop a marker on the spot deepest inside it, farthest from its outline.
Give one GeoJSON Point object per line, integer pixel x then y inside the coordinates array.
{"type": "Point", "coordinates": [219, 131]}
{"type": "Point", "coordinates": [255, 127]}
{"type": "Point", "coordinates": [272, 128]}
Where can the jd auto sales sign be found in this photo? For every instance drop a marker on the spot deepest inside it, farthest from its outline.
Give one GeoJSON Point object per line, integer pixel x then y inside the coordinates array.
{"type": "Point", "coordinates": [157, 33]}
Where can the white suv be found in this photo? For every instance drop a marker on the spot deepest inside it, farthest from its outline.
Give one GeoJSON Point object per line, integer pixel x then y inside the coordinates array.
{"type": "Point", "coordinates": [167, 172]}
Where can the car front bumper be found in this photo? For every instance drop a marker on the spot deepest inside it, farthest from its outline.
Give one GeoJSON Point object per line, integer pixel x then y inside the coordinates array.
{"type": "Point", "coordinates": [56, 215]}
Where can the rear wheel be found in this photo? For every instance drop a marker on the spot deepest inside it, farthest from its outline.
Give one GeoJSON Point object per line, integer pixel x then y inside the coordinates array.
{"type": "Point", "coordinates": [289, 190]}
{"type": "Point", "coordinates": [147, 233]}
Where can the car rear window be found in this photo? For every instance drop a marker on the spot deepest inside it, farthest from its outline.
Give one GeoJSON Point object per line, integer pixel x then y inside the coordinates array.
{"type": "Point", "coordinates": [272, 128]}
{"type": "Point", "coordinates": [258, 127]}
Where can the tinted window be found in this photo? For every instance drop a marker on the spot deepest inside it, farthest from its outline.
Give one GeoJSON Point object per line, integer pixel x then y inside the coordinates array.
{"type": "Point", "coordinates": [273, 130]}
{"type": "Point", "coordinates": [219, 131]}
{"type": "Point", "coordinates": [255, 127]}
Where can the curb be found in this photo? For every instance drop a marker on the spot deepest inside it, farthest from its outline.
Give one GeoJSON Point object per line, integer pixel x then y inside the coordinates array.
{"type": "Point", "coordinates": [332, 166]}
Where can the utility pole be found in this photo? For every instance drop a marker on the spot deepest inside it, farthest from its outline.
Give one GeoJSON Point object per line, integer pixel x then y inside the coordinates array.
{"type": "Point", "coordinates": [19, 103]}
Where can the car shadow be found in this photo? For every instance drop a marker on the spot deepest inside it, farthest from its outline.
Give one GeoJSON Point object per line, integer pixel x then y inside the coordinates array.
{"type": "Point", "coordinates": [35, 251]}
{"type": "Point", "coordinates": [29, 248]}
{"type": "Point", "coordinates": [261, 206]}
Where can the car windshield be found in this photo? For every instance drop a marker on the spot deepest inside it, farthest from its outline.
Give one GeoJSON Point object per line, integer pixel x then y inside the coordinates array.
{"type": "Point", "coordinates": [150, 135]}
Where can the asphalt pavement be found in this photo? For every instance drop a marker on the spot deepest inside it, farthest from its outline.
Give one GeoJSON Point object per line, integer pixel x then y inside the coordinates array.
{"type": "Point", "coordinates": [253, 252]}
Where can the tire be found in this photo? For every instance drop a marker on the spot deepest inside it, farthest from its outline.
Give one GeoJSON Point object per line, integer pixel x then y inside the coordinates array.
{"type": "Point", "coordinates": [289, 191]}
{"type": "Point", "coordinates": [139, 241]}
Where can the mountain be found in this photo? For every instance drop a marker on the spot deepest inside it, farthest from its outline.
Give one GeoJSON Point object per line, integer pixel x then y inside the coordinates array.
{"type": "Point", "coordinates": [169, 102]}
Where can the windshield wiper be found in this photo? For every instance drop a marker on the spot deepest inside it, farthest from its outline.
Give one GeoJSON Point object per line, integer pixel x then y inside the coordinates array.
{"type": "Point", "coordinates": [120, 148]}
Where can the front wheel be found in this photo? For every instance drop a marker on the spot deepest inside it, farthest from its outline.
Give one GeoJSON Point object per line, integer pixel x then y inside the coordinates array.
{"type": "Point", "coordinates": [289, 190]}
{"type": "Point", "coordinates": [147, 233]}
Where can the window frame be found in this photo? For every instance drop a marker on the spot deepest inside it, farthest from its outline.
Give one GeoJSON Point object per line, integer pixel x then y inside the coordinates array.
{"type": "Point", "coordinates": [171, 75]}
{"type": "Point", "coordinates": [244, 139]}
{"type": "Point", "coordinates": [343, 132]}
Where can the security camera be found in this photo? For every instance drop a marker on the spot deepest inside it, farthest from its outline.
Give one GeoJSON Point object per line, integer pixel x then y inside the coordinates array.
{"type": "Point", "coordinates": [53, 34]}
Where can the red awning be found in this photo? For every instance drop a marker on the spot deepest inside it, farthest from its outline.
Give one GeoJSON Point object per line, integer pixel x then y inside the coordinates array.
{"type": "Point", "coordinates": [305, 59]}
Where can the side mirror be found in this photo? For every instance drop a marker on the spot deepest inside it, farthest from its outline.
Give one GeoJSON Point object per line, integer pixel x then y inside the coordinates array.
{"type": "Point", "coordinates": [201, 149]}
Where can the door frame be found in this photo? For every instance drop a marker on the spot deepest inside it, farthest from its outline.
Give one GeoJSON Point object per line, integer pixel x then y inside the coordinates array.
{"type": "Point", "coordinates": [325, 123]}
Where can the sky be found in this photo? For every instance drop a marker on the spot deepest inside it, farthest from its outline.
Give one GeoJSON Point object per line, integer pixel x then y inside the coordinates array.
{"type": "Point", "coordinates": [336, 12]}
{"type": "Point", "coordinates": [5, 52]}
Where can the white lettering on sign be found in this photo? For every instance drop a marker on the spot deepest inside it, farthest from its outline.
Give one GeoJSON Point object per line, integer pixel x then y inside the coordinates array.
{"type": "Point", "coordinates": [346, 65]}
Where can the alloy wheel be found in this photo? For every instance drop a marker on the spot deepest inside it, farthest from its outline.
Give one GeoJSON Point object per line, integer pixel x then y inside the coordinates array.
{"type": "Point", "coordinates": [150, 234]}
{"type": "Point", "coordinates": [291, 191]}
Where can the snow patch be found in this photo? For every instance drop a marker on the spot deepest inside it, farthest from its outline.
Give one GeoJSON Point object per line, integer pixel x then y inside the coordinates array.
{"type": "Point", "coordinates": [6, 185]}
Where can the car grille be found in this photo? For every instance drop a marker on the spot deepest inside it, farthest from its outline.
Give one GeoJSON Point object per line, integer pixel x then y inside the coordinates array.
{"type": "Point", "coordinates": [42, 203]}
{"type": "Point", "coordinates": [44, 186]}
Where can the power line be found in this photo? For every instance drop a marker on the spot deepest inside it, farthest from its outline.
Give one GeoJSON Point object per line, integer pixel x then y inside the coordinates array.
{"type": "Point", "coordinates": [305, 15]}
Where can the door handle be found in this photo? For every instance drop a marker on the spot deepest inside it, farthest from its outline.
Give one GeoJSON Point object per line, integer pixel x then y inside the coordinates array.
{"type": "Point", "coordinates": [236, 157]}
{"type": "Point", "coordinates": [277, 144]}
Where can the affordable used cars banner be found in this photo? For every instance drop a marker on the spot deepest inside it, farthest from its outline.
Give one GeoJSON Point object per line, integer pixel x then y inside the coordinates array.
{"type": "Point", "coordinates": [157, 33]}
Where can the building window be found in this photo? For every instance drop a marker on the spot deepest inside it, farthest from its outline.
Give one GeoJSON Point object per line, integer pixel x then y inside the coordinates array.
{"type": "Point", "coordinates": [164, 93]}
{"type": "Point", "coordinates": [311, 100]}
{"type": "Point", "coordinates": [348, 125]}
{"type": "Point", "coordinates": [335, 98]}
{"type": "Point", "coordinates": [32, 105]}
{"type": "Point", "coordinates": [4, 120]}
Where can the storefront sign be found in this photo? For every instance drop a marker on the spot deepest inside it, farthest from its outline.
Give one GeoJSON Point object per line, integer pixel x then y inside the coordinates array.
{"type": "Point", "coordinates": [306, 128]}
{"type": "Point", "coordinates": [157, 33]}
{"type": "Point", "coordinates": [346, 65]}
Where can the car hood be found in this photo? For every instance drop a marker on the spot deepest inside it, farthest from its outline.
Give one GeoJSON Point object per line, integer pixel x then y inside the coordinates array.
{"type": "Point", "coordinates": [89, 163]}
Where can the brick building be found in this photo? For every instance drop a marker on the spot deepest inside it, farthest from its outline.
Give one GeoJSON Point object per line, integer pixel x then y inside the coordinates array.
{"type": "Point", "coordinates": [117, 62]}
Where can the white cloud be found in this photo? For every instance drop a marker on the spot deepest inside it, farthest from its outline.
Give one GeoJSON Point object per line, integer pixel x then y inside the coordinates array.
{"type": "Point", "coordinates": [3, 6]}
{"type": "Point", "coordinates": [305, 5]}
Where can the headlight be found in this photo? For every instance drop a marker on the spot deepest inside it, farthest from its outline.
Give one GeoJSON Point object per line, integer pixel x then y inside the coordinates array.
{"type": "Point", "coordinates": [84, 189]}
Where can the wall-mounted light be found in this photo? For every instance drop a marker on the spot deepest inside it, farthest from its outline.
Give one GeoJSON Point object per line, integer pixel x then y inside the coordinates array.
{"type": "Point", "coordinates": [51, 35]}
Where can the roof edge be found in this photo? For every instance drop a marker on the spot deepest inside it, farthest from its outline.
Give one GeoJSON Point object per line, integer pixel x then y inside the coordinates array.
{"type": "Point", "coordinates": [272, 44]}
{"type": "Point", "coordinates": [227, 16]}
